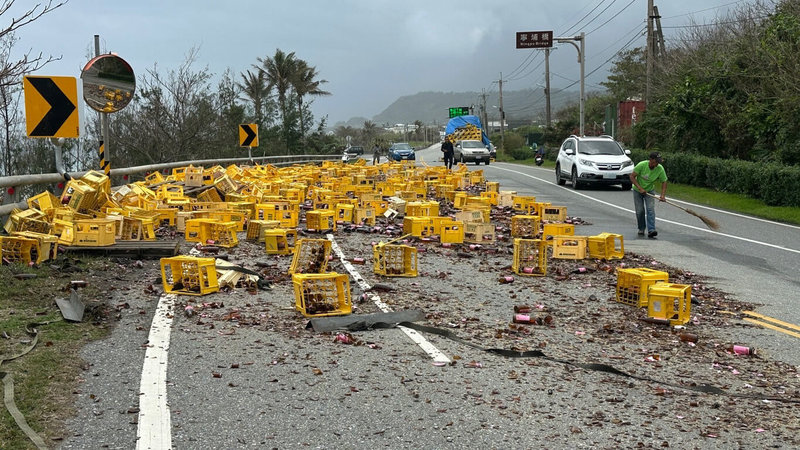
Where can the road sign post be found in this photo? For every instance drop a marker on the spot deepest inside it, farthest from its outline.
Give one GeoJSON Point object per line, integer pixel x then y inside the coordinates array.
{"type": "Point", "coordinates": [248, 137]}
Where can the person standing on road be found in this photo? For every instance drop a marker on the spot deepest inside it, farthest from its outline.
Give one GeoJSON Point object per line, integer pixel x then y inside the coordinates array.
{"type": "Point", "coordinates": [644, 177]}
{"type": "Point", "coordinates": [376, 154]}
{"type": "Point", "coordinates": [449, 152]}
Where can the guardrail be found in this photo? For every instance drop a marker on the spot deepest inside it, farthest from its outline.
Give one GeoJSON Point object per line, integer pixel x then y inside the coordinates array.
{"type": "Point", "coordinates": [45, 178]}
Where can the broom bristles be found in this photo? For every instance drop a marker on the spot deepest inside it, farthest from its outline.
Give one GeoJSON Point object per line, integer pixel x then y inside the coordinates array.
{"type": "Point", "coordinates": [709, 222]}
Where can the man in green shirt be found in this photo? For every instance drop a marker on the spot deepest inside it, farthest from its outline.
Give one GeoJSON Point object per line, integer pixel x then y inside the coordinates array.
{"type": "Point", "coordinates": [644, 177]}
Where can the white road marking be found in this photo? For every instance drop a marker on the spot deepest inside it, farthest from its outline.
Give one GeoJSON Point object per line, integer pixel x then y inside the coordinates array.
{"type": "Point", "coordinates": [154, 425]}
{"type": "Point", "coordinates": [752, 241]}
{"type": "Point", "coordinates": [420, 340]}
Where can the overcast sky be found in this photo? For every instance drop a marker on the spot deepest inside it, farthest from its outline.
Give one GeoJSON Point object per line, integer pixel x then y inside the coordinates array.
{"type": "Point", "coordinates": [370, 51]}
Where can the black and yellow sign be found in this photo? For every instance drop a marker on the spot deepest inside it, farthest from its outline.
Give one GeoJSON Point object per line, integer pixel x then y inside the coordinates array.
{"type": "Point", "coordinates": [248, 135]}
{"type": "Point", "coordinates": [50, 109]}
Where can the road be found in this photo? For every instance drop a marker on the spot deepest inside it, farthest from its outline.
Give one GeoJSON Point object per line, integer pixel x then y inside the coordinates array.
{"type": "Point", "coordinates": [244, 371]}
{"type": "Point", "coordinates": [753, 259]}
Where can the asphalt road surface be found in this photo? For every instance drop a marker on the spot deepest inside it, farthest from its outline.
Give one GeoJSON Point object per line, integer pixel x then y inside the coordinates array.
{"type": "Point", "coordinates": [755, 260]}
{"type": "Point", "coordinates": [242, 370]}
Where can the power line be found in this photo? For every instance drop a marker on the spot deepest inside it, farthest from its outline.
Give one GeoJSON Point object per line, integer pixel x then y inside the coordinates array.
{"type": "Point", "coordinates": [702, 10]}
{"type": "Point", "coordinates": [612, 17]}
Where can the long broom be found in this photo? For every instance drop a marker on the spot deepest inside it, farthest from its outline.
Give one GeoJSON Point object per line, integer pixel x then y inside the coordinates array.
{"type": "Point", "coordinates": [708, 221]}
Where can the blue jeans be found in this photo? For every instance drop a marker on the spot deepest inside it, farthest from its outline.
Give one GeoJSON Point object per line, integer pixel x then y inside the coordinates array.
{"type": "Point", "coordinates": [645, 207]}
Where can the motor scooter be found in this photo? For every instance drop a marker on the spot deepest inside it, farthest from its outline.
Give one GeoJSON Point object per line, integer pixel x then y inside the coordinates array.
{"type": "Point", "coordinates": [539, 159]}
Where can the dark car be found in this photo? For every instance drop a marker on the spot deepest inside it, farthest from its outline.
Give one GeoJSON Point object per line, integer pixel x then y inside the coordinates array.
{"type": "Point", "coordinates": [400, 151]}
{"type": "Point", "coordinates": [356, 150]}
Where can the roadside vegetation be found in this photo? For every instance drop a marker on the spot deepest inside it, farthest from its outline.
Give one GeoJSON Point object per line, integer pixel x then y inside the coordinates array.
{"type": "Point", "coordinates": [45, 378]}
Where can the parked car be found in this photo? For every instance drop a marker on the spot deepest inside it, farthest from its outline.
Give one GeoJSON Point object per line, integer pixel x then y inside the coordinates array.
{"type": "Point", "coordinates": [400, 151]}
{"type": "Point", "coordinates": [356, 150]}
{"type": "Point", "coordinates": [471, 151]}
{"type": "Point", "coordinates": [598, 160]}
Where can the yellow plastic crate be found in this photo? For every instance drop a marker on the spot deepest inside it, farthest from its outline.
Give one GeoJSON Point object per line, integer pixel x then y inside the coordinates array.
{"type": "Point", "coordinates": [94, 232]}
{"type": "Point", "coordinates": [606, 246]}
{"type": "Point", "coordinates": [633, 284]}
{"type": "Point", "coordinates": [79, 195]}
{"type": "Point", "coordinates": [557, 229]}
{"type": "Point", "coordinates": [210, 195]}
{"type": "Point", "coordinates": [418, 226]}
{"type": "Point", "coordinates": [344, 212]}
{"type": "Point", "coordinates": [491, 196]}
{"type": "Point", "coordinates": [530, 257]}
{"type": "Point", "coordinates": [554, 213]}
{"type": "Point", "coordinates": [47, 245]}
{"type": "Point", "coordinates": [45, 202]}
{"type": "Point", "coordinates": [205, 231]}
{"type": "Point", "coordinates": [394, 260]}
{"type": "Point", "coordinates": [321, 219]}
{"type": "Point", "coordinates": [470, 216]}
{"type": "Point", "coordinates": [310, 256]}
{"type": "Point", "coordinates": [18, 249]}
{"type": "Point", "coordinates": [479, 233]}
{"type": "Point", "coordinates": [322, 294]}
{"type": "Point", "coordinates": [670, 301]}
{"type": "Point", "coordinates": [506, 199]}
{"type": "Point", "coordinates": [28, 220]}
{"type": "Point", "coordinates": [422, 209]}
{"type": "Point", "coordinates": [526, 203]}
{"type": "Point", "coordinates": [279, 241]}
{"type": "Point", "coordinates": [569, 247]}
{"type": "Point", "coordinates": [365, 215]}
{"type": "Point", "coordinates": [492, 186]}
{"type": "Point", "coordinates": [460, 200]}
{"type": "Point", "coordinates": [189, 275]}
{"type": "Point", "coordinates": [193, 176]}
{"type": "Point", "coordinates": [525, 226]}
{"type": "Point", "coordinates": [155, 177]}
{"type": "Point", "coordinates": [130, 229]}
{"type": "Point", "coordinates": [256, 228]}
{"type": "Point", "coordinates": [451, 232]}
{"type": "Point", "coordinates": [97, 180]}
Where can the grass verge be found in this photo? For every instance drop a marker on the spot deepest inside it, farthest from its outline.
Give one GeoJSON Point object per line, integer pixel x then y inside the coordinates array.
{"type": "Point", "coordinates": [45, 378]}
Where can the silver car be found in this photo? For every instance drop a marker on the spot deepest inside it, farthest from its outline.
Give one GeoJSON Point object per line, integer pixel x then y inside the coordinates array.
{"type": "Point", "coordinates": [471, 151]}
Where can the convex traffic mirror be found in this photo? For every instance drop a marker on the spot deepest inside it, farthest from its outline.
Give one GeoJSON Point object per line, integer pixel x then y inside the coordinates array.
{"type": "Point", "coordinates": [108, 83]}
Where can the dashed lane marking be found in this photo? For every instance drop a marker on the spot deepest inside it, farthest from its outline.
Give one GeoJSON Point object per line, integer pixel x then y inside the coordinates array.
{"type": "Point", "coordinates": [420, 340]}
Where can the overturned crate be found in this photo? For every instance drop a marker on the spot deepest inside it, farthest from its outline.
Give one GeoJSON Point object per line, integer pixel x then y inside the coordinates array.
{"type": "Point", "coordinates": [207, 231]}
{"type": "Point", "coordinates": [18, 249]}
{"type": "Point", "coordinates": [189, 275]}
{"type": "Point", "coordinates": [310, 256]}
{"type": "Point", "coordinates": [47, 245]}
{"type": "Point", "coordinates": [394, 260]}
{"type": "Point", "coordinates": [557, 229]}
{"type": "Point", "coordinates": [670, 301]}
{"type": "Point", "coordinates": [606, 246]}
{"type": "Point", "coordinates": [321, 219]}
{"type": "Point", "coordinates": [530, 257]}
{"type": "Point", "coordinates": [279, 241]}
{"type": "Point", "coordinates": [633, 284]}
{"type": "Point", "coordinates": [256, 229]}
{"type": "Point", "coordinates": [322, 294]}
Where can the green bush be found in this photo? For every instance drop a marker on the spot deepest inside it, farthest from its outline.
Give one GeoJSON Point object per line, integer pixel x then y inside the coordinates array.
{"type": "Point", "coordinates": [772, 183]}
{"type": "Point", "coordinates": [521, 153]}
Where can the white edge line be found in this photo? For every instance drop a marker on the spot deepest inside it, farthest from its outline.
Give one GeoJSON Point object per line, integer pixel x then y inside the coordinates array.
{"type": "Point", "coordinates": [154, 424]}
{"type": "Point", "coordinates": [420, 340]}
{"type": "Point", "coordinates": [752, 241]}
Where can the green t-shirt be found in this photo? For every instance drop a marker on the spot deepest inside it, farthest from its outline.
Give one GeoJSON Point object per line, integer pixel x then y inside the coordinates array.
{"type": "Point", "coordinates": [648, 177]}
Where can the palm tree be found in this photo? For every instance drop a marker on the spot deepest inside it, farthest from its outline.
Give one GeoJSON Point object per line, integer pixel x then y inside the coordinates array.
{"type": "Point", "coordinates": [254, 86]}
{"type": "Point", "coordinates": [279, 71]}
{"type": "Point", "coordinates": [305, 83]}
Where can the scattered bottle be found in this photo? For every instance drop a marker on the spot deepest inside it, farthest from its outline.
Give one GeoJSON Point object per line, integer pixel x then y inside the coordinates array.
{"type": "Point", "coordinates": [687, 337]}
{"type": "Point", "coordinates": [357, 260]}
{"type": "Point", "coordinates": [506, 279]}
{"type": "Point", "coordinates": [522, 309]}
{"type": "Point", "coordinates": [740, 349]}
{"type": "Point", "coordinates": [582, 270]}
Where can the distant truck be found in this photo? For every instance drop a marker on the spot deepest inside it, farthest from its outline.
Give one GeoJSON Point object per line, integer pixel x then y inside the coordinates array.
{"type": "Point", "coordinates": [464, 128]}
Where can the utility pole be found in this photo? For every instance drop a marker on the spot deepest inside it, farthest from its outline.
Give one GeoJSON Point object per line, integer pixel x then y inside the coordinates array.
{"type": "Point", "coordinates": [547, 85]}
{"type": "Point", "coordinates": [484, 115]}
{"type": "Point", "coordinates": [650, 51]}
{"type": "Point", "coordinates": [662, 51]}
{"type": "Point", "coordinates": [502, 113]}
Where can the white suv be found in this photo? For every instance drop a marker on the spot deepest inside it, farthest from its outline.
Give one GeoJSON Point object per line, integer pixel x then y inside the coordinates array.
{"type": "Point", "coordinates": [593, 160]}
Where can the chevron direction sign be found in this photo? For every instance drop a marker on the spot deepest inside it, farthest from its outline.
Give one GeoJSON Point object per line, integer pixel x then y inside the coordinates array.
{"type": "Point", "coordinates": [50, 109]}
{"type": "Point", "coordinates": [248, 135]}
